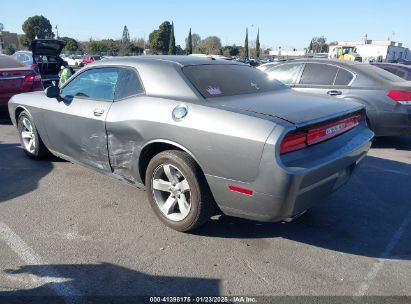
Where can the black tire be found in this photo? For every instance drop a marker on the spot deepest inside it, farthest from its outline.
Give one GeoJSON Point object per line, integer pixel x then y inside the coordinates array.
{"type": "Point", "coordinates": [40, 151]}
{"type": "Point", "coordinates": [202, 203]}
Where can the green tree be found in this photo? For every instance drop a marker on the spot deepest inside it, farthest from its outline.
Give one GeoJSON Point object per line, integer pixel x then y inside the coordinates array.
{"type": "Point", "coordinates": [179, 50]}
{"type": "Point", "coordinates": [98, 47]}
{"type": "Point", "coordinates": [71, 45]}
{"type": "Point", "coordinates": [231, 50]}
{"type": "Point", "coordinates": [160, 39]}
{"type": "Point", "coordinates": [246, 44]}
{"type": "Point", "coordinates": [36, 26]}
{"type": "Point", "coordinates": [318, 45]}
{"type": "Point", "coordinates": [10, 50]}
{"type": "Point", "coordinates": [126, 35]}
{"type": "Point", "coordinates": [172, 43]}
{"type": "Point", "coordinates": [189, 43]}
{"type": "Point", "coordinates": [195, 40]}
{"type": "Point", "coordinates": [257, 44]}
{"type": "Point", "coordinates": [210, 46]}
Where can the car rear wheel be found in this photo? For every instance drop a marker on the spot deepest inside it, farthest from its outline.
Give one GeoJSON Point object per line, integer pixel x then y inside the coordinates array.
{"type": "Point", "coordinates": [30, 139]}
{"type": "Point", "coordinates": [177, 191]}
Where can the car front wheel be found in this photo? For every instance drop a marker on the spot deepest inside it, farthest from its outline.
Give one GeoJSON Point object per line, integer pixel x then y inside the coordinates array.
{"type": "Point", "coordinates": [30, 139]}
{"type": "Point", "coordinates": [177, 191]}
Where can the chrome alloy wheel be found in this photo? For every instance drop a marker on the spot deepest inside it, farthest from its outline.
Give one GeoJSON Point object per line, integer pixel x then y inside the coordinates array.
{"type": "Point", "coordinates": [171, 192]}
{"type": "Point", "coordinates": [28, 136]}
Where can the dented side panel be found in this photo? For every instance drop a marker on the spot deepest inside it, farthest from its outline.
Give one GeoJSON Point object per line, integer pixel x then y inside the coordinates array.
{"type": "Point", "coordinates": [219, 140]}
{"type": "Point", "coordinates": [75, 131]}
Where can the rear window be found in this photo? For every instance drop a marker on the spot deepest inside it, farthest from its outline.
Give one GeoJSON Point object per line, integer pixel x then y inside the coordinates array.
{"type": "Point", "coordinates": [7, 62]}
{"type": "Point", "coordinates": [228, 80]}
{"type": "Point", "coordinates": [343, 77]}
{"type": "Point", "coordinates": [379, 73]}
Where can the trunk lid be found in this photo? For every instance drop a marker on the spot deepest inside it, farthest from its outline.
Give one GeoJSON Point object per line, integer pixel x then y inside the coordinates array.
{"type": "Point", "coordinates": [11, 80]}
{"type": "Point", "coordinates": [47, 47]}
{"type": "Point", "coordinates": [299, 109]}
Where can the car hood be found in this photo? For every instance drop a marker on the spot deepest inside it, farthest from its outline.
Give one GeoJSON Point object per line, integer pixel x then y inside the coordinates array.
{"type": "Point", "coordinates": [47, 46]}
{"type": "Point", "coordinates": [297, 108]}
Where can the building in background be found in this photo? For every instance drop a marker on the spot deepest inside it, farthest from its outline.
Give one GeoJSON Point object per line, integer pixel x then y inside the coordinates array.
{"type": "Point", "coordinates": [379, 50]}
{"type": "Point", "coordinates": [8, 41]}
{"type": "Point", "coordinates": [287, 53]}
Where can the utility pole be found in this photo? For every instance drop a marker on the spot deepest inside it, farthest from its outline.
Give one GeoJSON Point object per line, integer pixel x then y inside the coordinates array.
{"type": "Point", "coordinates": [57, 31]}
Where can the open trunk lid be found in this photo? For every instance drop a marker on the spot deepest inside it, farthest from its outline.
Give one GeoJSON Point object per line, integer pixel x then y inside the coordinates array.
{"type": "Point", "coordinates": [47, 47]}
{"type": "Point", "coordinates": [299, 109]}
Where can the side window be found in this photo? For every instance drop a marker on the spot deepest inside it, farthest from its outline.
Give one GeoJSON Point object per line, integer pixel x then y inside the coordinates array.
{"type": "Point", "coordinates": [286, 73]}
{"type": "Point", "coordinates": [343, 77]}
{"type": "Point", "coordinates": [98, 83]}
{"type": "Point", "coordinates": [401, 73]}
{"type": "Point", "coordinates": [128, 84]}
{"type": "Point", "coordinates": [318, 74]}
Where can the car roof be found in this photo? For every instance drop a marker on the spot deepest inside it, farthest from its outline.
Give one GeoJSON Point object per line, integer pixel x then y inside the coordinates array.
{"type": "Point", "coordinates": [175, 59]}
{"type": "Point", "coordinates": [332, 61]}
{"type": "Point", "coordinates": [395, 65]}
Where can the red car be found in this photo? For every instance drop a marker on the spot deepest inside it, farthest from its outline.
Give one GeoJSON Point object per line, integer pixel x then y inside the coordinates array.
{"type": "Point", "coordinates": [15, 78]}
{"type": "Point", "coordinates": [90, 59]}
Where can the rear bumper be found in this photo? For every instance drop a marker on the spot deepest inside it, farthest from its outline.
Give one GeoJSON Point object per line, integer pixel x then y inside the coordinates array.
{"type": "Point", "coordinates": [393, 123]}
{"type": "Point", "coordinates": [289, 186]}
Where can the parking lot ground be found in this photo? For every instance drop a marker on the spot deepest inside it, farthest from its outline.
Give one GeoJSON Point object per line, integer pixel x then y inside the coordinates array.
{"type": "Point", "coordinates": [66, 230]}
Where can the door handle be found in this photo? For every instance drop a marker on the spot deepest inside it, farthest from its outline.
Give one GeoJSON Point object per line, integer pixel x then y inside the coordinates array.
{"type": "Point", "coordinates": [334, 93]}
{"type": "Point", "coordinates": [98, 112]}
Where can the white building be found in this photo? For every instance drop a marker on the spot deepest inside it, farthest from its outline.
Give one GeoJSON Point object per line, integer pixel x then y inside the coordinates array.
{"type": "Point", "coordinates": [287, 53]}
{"type": "Point", "coordinates": [383, 50]}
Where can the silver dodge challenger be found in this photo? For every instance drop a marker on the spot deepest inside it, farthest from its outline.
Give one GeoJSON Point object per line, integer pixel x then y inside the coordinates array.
{"type": "Point", "coordinates": [201, 135]}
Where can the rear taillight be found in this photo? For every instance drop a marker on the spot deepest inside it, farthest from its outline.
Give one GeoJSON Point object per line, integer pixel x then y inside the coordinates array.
{"type": "Point", "coordinates": [293, 142]}
{"type": "Point", "coordinates": [34, 67]}
{"type": "Point", "coordinates": [32, 82]}
{"type": "Point", "coordinates": [313, 135]}
{"type": "Point", "coordinates": [402, 97]}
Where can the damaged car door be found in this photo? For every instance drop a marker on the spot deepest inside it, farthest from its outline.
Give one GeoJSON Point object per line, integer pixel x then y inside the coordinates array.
{"type": "Point", "coordinates": [76, 123]}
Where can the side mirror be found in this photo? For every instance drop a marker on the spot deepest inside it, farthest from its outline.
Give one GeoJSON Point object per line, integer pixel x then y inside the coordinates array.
{"type": "Point", "coordinates": [52, 92]}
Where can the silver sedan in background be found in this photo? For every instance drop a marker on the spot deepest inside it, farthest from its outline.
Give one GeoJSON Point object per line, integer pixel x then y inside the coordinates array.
{"type": "Point", "coordinates": [386, 97]}
{"type": "Point", "coordinates": [200, 135]}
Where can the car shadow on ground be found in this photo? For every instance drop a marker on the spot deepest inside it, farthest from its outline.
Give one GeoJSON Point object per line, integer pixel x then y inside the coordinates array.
{"type": "Point", "coordinates": [97, 279]}
{"type": "Point", "coordinates": [5, 118]}
{"type": "Point", "coordinates": [394, 142]}
{"type": "Point", "coordinates": [361, 218]}
{"type": "Point", "coordinates": [18, 173]}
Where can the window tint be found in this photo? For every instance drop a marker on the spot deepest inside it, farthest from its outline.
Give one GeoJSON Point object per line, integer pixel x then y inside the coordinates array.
{"type": "Point", "coordinates": [401, 74]}
{"type": "Point", "coordinates": [95, 84]}
{"type": "Point", "coordinates": [285, 73]}
{"type": "Point", "coordinates": [343, 77]}
{"type": "Point", "coordinates": [318, 74]}
{"type": "Point", "coordinates": [128, 84]}
{"type": "Point", "coordinates": [218, 80]}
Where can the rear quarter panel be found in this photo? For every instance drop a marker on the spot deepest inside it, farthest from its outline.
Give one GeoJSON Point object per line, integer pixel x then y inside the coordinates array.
{"type": "Point", "coordinates": [224, 143]}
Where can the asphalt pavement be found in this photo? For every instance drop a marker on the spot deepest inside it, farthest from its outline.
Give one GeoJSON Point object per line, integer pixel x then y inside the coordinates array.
{"type": "Point", "coordinates": [66, 230]}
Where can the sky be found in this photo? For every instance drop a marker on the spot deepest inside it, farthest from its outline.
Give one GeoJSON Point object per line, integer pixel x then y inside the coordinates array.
{"type": "Point", "coordinates": [285, 24]}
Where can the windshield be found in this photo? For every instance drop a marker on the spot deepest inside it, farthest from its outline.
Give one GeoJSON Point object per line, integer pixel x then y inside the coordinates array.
{"type": "Point", "coordinates": [228, 80]}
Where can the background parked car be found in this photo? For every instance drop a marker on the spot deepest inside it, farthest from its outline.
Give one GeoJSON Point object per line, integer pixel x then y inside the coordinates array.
{"type": "Point", "coordinates": [45, 56]}
{"type": "Point", "coordinates": [400, 70]}
{"type": "Point", "coordinates": [387, 97]}
{"type": "Point", "coordinates": [74, 60]}
{"type": "Point", "coordinates": [16, 78]}
{"type": "Point", "coordinates": [90, 59]}
{"type": "Point", "coordinates": [26, 58]}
